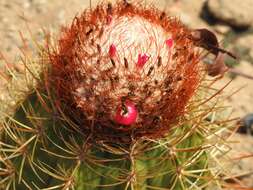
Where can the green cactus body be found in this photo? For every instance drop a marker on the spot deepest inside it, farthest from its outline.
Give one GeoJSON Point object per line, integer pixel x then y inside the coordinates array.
{"type": "Point", "coordinates": [66, 134]}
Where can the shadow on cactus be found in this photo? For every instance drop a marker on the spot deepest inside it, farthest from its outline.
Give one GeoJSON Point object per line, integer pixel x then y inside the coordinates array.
{"type": "Point", "coordinates": [121, 101]}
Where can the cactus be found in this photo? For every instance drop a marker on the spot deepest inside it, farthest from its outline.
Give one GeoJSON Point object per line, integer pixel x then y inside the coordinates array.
{"type": "Point", "coordinates": [119, 101]}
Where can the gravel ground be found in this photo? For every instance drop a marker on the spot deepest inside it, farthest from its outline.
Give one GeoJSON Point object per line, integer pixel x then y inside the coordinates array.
{"type": "Point", "coordinates": [16, 15]}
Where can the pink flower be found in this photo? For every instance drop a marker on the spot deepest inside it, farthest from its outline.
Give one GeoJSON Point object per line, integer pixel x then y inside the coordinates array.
{"type": "Point", "coordinates": [169, 42]}
{"type": "Point", "coordinates": [112, 51]}
{"type": "Point", "coordinates": [142, 59]}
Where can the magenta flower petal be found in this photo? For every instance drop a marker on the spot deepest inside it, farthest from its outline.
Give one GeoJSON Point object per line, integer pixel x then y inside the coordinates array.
{"type": "Point", "coordinates": [112, 51]}
{"type": "Point", "coordinates": [169, 42]}
{"type": "Point", "coordinates": [142, 59]}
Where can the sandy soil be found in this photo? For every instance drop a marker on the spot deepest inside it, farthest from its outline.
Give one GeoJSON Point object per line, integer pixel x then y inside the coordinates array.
{"type": "Point", "coordinates": [18, 15]}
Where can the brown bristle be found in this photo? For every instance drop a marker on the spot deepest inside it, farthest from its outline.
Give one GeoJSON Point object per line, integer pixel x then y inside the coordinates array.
{"type": "Point", "coordinates": [89, 32]}
{"type": "Point", "coordinates": [109, 8]}
{"type": "Point", "coordinates": [150, 70]}
{"type": "Point", "coordinates": [126, 63]}
{"type": "Point", "coordinates": [113, 62]}
{"type": "Point", "coordinates": [126, 3]}
{"type": "Point", "coordinates": [99, 48]}
{"type": "Point", "coordinates": [162, 15]}
{"type": "Point", "coordinates": [101, 32]}
{"type": "Point", "coordinates": [159, 63]}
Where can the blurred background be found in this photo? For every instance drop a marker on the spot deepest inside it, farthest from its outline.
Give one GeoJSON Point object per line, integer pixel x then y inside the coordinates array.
{"type": "Point", "coordinates": [232, 22]}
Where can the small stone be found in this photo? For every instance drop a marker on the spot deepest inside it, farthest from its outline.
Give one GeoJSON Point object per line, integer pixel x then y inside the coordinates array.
{"type": "Point", "coordinates": [61, 16]}
{"type": "Point", "coordinates": [26, 4]}
{"type": "Point", "coordinates": [186, 18]}
{"type": "Point", "coordinates": [236, 13]}
{"type": "Point", "coordinates": [246, 124]}
{"type": "Point", "coordinates": [242, 164]}
{"type": "Point", "coordinates": [246, 41]}
{"type": "Point", "coordinates": [221, 28]}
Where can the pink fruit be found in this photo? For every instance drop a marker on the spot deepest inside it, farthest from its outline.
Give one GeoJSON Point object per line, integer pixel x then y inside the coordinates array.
{"type": "Point", "coordinates": [126, 114]}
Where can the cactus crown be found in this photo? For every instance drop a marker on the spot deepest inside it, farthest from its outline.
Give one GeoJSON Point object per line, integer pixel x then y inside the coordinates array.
{"type": "Point", "coordinates": [114, 56]}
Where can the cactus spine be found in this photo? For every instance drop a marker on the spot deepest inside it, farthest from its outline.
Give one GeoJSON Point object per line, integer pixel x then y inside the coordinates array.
{"type": "Point", "coordinates": [120, 102]}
